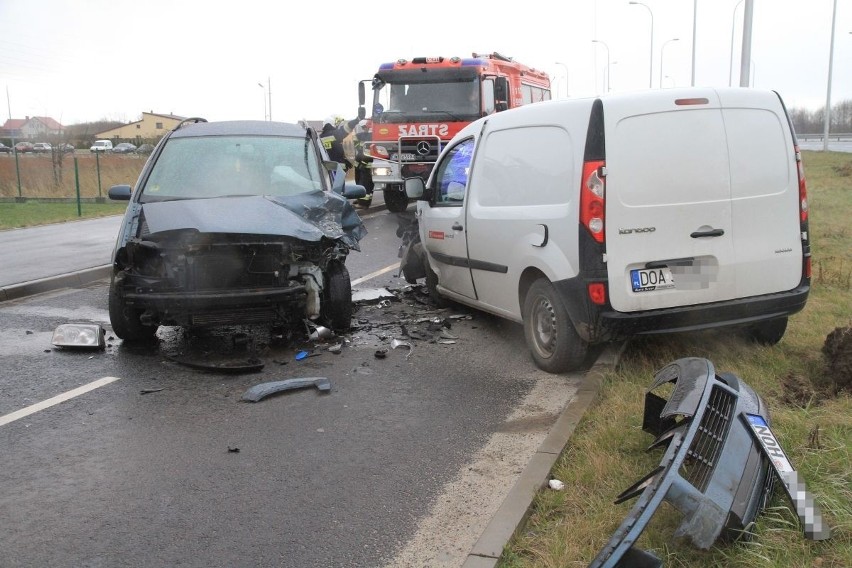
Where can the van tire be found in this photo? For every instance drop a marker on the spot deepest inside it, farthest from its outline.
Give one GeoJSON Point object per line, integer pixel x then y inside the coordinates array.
{"type": "Point", "coordinates": [125, 321]}
{"type": "Point", "coordinates": [395, 198]}
{"type": "Point", "coordinates": [550, 334]}
{"type": "Point", "coordinates": [432, 285]}
{"type": "Point", "coordinates": [767, 332]}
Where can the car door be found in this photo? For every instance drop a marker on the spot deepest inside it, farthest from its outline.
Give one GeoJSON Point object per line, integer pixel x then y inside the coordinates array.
{"type": "Point", "coordinates": [442, 220]}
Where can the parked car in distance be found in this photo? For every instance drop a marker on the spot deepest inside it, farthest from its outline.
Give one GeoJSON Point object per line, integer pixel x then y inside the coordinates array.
{"type": "Point", "coordinates": [101, 146]}
{"type": "Point", "coordinates": [123, 148]}
{"type": "Point", "coordinates": [242, 222]}
{"type": "Point", "coordinates": [42, 148]}
{"type": "Point", "coordinates": [66, 148]}
{"type": "Point", "coordinates": [5, 149]}
{"type": "Point", "coordinates": [144, 149]}
{"type": "Point", "coordinates": [23, 147]}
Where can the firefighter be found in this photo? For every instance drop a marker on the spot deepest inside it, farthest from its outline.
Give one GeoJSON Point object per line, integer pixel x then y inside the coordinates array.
{"type": "Point", "coordinates": [363, 171]}
{"type": "Point", "coordinates": [334, 129]}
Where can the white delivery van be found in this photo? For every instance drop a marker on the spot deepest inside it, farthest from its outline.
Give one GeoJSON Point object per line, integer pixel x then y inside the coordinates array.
{"type": "Point", "coordinates": [594, 219]}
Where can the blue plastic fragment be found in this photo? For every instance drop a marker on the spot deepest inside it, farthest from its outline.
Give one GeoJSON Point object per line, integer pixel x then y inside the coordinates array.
{"type": "Point", "coordinates": [301, 355]}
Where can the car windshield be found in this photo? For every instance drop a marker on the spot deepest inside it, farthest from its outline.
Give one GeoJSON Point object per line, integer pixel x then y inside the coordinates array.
{"type": "Point", "coordinates": [225, 166]}
{"type": "Point", "coordinates": [449, 100]}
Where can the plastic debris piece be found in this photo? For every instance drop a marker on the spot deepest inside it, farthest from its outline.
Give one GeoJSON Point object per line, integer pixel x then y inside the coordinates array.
{"type": "Point", "coordinates": [336, 349]}
{"type": "Point", "coordinates": [258, 392]}
{"type": "Point", "coordinates": [397, 343]}
{"type": "Point", "coordinates": [301, 355]}
{"type": "Point", "coordinates": [371, 295]}
{"type": "Point", "coordinates": [321, 332]}
{"type": "Point", "coordinates": [448, 335]}
{"type": "Point", "coordinates": [250, 365]}
{"type": "Point", "coordinates": [447, 341]}
{"type": "Point", "coordinates": [556, 485]}
{"type": "Point", "coordinates": [149, 391]}
{"type": "Point", "coordinates": [381, 353]}
{"type": "Point", "coordinates": [233, 450]}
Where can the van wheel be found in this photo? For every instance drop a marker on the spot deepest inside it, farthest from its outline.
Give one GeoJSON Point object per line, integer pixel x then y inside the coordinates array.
{"type": "Point", "coordinates": [767, 332]}
{"type": "Point", "coordinates": [432, 285]}
{"type": "Point", "coordinates": [395, 199]}
{"type": "Point", "coordinates": [125, 321]}
{"type": "Point", "coordinates": [336, 308]}
{"type": "Point", "coordinates": [550, 335]}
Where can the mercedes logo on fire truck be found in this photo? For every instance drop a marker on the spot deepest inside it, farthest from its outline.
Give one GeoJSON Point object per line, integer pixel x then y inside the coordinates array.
{"type": "Point", "coordinates": [423, 148]}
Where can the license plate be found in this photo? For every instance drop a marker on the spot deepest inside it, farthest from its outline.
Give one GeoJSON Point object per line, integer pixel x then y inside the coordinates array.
{"type": "Point", "coordinates": [649, 279]}
{"type": "Point", "coordinates": [404, 157]}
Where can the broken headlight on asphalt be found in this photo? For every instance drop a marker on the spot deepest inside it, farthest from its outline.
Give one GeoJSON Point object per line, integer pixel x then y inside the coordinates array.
{"type": "Point", "coordinates": [720, 464]}
{"type": "Point", "coordinates": [79, 335]}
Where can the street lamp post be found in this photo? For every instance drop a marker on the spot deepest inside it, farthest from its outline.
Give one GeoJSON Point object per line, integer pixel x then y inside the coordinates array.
{"type": "Point", "coordinates": [828, 88]}
{"type": "Point", "coordinates": [651, 57]}
{"type": "Point", "coordinates": [567, 90]}
{"type": "Point", "coordinates": [603, 43]}
{"type": "Point", "coordinates": [261, 85]}
{"type": "Point", "coordinates": [662, 52]}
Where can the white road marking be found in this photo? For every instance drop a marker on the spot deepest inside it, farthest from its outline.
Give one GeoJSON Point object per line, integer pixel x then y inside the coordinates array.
{"type": "Point", "coordinates": [18, 414]}
{"type": "Point", "coordinates": [374, 274]}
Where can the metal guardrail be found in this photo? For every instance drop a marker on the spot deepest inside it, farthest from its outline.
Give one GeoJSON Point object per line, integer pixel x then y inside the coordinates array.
{"type": "Point", "coordinates": [836, 136]}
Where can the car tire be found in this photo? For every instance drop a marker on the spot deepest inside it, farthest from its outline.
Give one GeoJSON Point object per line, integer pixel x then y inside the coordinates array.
{"type": "Point", "coordinates": [395, 199]}
{"type": "Point", "coordinates": [125, 320]}
{"type": "Point", "coordinates": [552, 340]}
{"type": "Point", "coordinates": [767, 332]}
{"type": "Point", "coordinates": [336, 308]}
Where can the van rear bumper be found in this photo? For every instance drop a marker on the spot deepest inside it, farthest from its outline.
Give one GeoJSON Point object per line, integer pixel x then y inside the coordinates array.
{"type": "Point", "coordinates": [741, 311]}
{"type": "Point", "coordinates": [597, 324]}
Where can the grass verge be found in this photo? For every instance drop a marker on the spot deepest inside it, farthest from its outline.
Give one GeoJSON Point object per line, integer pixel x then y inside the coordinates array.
{"type": "Point", "coordinates": [30, 213]}
{"type": "Point", "coordinates": [812, 420]}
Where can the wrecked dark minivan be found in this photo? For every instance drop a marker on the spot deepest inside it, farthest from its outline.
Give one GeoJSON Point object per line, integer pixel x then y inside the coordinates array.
{"type": "Point", "coordinates": [242, 222]}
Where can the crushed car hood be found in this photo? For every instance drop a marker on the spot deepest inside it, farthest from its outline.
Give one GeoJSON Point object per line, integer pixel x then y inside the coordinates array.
{"type": "Point", "coordinates": [308, 216]}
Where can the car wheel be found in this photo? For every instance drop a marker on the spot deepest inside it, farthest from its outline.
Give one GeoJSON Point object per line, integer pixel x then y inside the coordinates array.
{"type": "Point", "coordinates": [550, 335]}
{"type": "Point", "coordinates": [336, 309]}
{"type": "Point", "coordinates": [432, 285]}
{"type": "Point", "coordinates": [395, 198]}
{"type": "Point", "coordinates": [767, 332]}
{"type": "Point", "coordinates": [125, 320]}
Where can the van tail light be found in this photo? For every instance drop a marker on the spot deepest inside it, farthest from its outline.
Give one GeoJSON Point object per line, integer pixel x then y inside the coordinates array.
{"type": "Point", "coordinates": [597, 293]}
{"type": "Point", "coordinates": [803, 188]}
{"type": "Point", "coordinates": [592, 195]}
{"type": "Point", "coordinates": [808, 267]}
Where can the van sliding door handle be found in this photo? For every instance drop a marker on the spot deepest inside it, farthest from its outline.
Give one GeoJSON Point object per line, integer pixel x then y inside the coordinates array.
{"type": "Point", "coordinates": [710, 233]}
{"type": "Point", "coordinates": [457, 227]}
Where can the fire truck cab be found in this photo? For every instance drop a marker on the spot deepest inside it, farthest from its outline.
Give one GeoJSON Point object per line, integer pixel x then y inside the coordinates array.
{"type": "Point", "coordinates": [419, 105]}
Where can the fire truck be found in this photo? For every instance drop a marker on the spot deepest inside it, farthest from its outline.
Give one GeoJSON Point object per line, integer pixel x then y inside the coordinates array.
{"type": "Point", "coordinates": [419, 105]}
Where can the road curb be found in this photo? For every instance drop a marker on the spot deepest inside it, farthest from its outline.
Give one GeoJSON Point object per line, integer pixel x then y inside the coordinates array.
{"type": "Point", "coordinates": [69, 280]}
{"type": "Point", "coordinates": [516, 506]}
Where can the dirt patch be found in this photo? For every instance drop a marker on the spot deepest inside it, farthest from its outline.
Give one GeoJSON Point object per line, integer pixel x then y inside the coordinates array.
{"type": "Point", "coordinates": [838, 355]}
{"type": "Point", "coordinates": [798, 390]}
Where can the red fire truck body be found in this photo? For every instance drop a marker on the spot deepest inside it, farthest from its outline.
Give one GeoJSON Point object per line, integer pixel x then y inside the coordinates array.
{"type": "Point", "coordinates": [419, 105]}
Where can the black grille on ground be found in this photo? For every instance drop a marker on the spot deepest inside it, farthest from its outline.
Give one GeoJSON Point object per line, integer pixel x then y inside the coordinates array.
{"type": "Point", "coordinates": [703, 453]}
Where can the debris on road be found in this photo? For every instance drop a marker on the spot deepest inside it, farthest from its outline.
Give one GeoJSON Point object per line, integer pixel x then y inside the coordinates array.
{"type": "Point", "coordinates": [372, 295]}
{"type": "Point", "coordinates": [258, 392]}
{"type": "Point", "coordinates": [250, 365]}
{"type": "Point", "coordinates": [556, 485]}
{"type": "Point", "coordinates": [397, 343]}
{"type": "Point", "coordinates": [149, 391]}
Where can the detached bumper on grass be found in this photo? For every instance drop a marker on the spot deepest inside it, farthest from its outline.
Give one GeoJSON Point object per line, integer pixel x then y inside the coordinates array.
{"type": "Point", "coordinates": [716, 467]}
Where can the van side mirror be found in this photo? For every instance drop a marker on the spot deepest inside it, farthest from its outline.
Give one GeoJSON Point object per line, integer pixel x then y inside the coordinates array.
{"type": "Point", "coordinates": [354, 191]}
{"type": "Point", "coordinates": [415, 188]}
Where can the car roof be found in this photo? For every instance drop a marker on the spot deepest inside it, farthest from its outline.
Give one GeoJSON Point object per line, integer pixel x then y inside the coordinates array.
{"type": "Point", "coordinates": [239, 127]}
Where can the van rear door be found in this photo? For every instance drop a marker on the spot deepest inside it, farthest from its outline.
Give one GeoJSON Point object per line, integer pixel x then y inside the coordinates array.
{"type": "Point", "coordinates": [698, 191]}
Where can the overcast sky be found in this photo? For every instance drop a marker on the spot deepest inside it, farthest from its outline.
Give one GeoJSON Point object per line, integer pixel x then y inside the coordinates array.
{"type": "Point", "coordinates": [85, 60]}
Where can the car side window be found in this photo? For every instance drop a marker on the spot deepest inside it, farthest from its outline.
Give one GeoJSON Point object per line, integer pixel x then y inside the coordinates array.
{"type": "Point", "coordinates": [452, 175]}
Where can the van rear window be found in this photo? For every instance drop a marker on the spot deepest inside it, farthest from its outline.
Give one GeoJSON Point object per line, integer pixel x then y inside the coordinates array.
{"type": "Point", "coordinates": [525, 166]}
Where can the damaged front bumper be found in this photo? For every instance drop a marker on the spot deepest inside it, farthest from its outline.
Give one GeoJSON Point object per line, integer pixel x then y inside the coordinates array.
{"type": "Point", "coordinates": [715, 471]}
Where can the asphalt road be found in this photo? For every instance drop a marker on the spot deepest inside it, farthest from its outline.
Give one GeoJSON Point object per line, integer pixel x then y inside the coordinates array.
{"type": "Point", "coordinates": [404, 463]}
